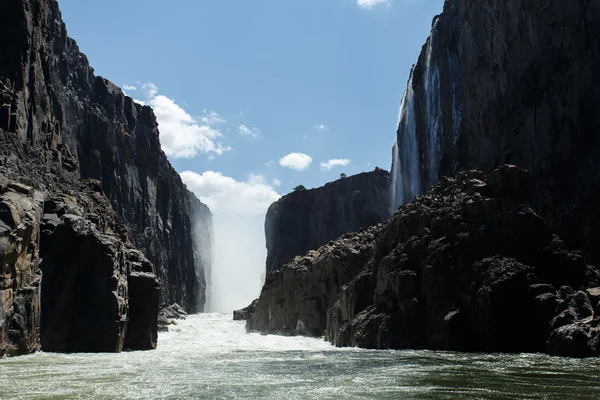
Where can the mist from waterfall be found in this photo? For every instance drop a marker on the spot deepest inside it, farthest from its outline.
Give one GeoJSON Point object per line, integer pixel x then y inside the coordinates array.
{"type": "Point", "coordinates": [239, 255]}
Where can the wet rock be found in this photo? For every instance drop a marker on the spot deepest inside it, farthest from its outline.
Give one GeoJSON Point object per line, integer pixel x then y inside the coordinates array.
{"type": "Point", "coordinates": [574, 340]}
{"type": "Point", "coordinates": [168, 316]}
{"type": "Point", "coordinates": [142, 325]}
{"type": "Point", "coordinates": [245, 313]}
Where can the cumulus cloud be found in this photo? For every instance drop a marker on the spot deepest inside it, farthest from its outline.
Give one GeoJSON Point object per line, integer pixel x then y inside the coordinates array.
{"type": "Point", "coordinates": [336, 162]}
{"type": "Point", "coordinates": [368, 4]}
{"type": "Point", "coordinates": [276, 182]}
{"type": "Point", "coordinates": [223, 193]}
{"type": "Point", "coordinates": [297, 161]}
{"type": "Point", "coordinates": [270, 163]}
{"type": "Point", "coordinates": [252, 132]}
{"type": "Point", "coordinates": [129, 88]}
{"type": "Point", "coordinates": [181, 136]}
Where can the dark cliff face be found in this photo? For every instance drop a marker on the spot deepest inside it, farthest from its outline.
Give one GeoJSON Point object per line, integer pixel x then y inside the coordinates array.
{"type": "Point", "coordinates": [510, 81]}
{"type": "Point", "coordinates": [467, 267]}
{"type": "Point", "coordinates": [51, 101]}
{"type": "Point", "coordinates": [305, 220]}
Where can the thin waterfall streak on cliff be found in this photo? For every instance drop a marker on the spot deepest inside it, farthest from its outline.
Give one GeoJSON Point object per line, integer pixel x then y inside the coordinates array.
{"type": "Point", "coordinates": [395, 196]}
{"type": "Point", "coordinates": [456, 110]}
{"type": "Point", "coordinates": [407, 183]}
{"type": "Point", "coordinates": [410, 150]}
{"type": "Point", "coordinates": [431, 78]}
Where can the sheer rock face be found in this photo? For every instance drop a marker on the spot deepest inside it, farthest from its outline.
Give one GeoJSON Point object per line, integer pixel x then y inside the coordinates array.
{"type": "Point", "coordinates": [508, 81]}
{"type": "Point", "coordinates": [52, 103]}
{"type": "Point", "coordinates": [305, 220]}
{"type": "Point", "coordinates": [82, 170]}
{"type": "Point", "coordinates": [467, 267]}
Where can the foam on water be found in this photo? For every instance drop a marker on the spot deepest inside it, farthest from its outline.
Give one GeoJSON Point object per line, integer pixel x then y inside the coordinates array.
{"type": "Point", "coordinates": [210, 357]}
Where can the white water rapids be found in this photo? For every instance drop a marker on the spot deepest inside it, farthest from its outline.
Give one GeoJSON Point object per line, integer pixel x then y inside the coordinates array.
{"type": "Point", "coordinates": [209, 356]}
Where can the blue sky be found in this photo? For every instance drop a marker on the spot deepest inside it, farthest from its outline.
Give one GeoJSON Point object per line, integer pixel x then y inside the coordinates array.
{"type": "Point", "coordinates": [318, 77]}
{"type": "Point", "coordinates": [254, 97]}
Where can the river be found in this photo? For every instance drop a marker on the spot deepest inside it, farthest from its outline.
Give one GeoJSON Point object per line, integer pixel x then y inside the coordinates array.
{"type": "Point", "coordinates": [209, 356]}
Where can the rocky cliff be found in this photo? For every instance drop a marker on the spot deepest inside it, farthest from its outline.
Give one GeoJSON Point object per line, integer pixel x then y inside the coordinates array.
{"type": "Point", "coordinates": [467, 267]}
{"type": "Point", "coordinates": [304, 220]}
{"type": "Point", "coordinates": [51, 100]}
{"type": "Point", "coordinates": [510, 81]}
{"type": "Point", "coordinates": [60, 127]}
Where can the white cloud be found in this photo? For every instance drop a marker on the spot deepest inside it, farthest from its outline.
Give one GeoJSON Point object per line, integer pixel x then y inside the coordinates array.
{"type": "Point", "coordinates": [276, 182]}
{"type": "Point", "coordinates": [150, 89]}
{"type": "Point", "coordinates": [326, 166]}
{"type": "Point", "coordinates": [368, 4]}
{"type": "Point", "coordinates": [320, 127]}
{"type": "Point", "coordinates": [297, 161]}
{"type": "Point", "coordinates": [181, 136]}
{"type": "Point", "coordinates": [252, 132]}
{"type": "Point", "coordinates": [270, 163]}
{"type": "Point", "coordinates": [223, 193]}
{"type": "Point", "coordinates": [212, 118]}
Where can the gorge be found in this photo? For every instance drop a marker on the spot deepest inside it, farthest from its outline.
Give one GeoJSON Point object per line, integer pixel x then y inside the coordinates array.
{"type": "Point", "coordinates": [458, 274]}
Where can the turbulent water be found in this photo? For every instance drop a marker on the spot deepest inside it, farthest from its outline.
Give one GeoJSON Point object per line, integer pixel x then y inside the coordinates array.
{"type": "Point", "coordinates": [210, 357]}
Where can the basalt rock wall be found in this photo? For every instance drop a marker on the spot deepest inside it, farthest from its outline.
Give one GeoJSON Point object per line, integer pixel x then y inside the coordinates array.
{"type": "Point", "coordinates": [508, 81]}
{"type": "Point", "coordinates": [82, 125]}
{"type": "Point", "coordinates": [306, 219]}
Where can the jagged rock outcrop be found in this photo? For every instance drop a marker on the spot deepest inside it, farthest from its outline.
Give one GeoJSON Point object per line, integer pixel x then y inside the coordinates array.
{"type": "Point", "coordinates": [245, 313]}
{"type": "Point", "coordinates": [102, 212]}
{"type": "Point", "coordinates": [20, 212]}
{"type": "Point", "coordinates": [294, 299]}
{"type": "Point", "coordinates": [304, 220]}
{"type": "Point", "coordinates": [91, 290]}
{"type": "Point", "coordinates": [467, 267]}
{"type": "Point", "coordinates": [52, 103]}
{"type": "Point", "coordinates": [168, 315]}
{"type": "Point", "coordinates": [508, 81]}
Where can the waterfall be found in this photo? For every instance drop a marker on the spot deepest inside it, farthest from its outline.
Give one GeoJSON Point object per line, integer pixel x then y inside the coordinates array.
{"type": "Point", "coordinates": [407, 181]}
{"type": "Point", "coordinates": [395, 174]}
{"type": "Point", "coordinates": [406, 166]}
